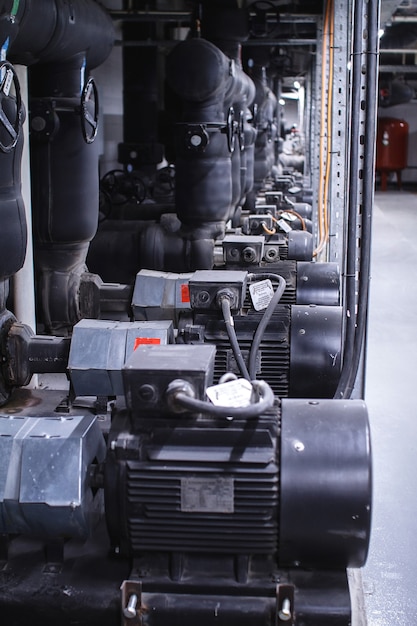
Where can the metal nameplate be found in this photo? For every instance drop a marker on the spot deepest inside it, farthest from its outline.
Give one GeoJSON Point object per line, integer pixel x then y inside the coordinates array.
{"type": "Point", "coordinates": [207, 495]}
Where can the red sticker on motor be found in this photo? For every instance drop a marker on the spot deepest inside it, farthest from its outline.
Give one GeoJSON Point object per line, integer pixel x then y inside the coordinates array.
{"type": "Point", "coordinates": [146, 341]}
{"type": "Point", "coordinates": [185, 293]}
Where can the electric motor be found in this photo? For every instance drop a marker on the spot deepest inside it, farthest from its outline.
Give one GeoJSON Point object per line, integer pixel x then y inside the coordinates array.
{"type": "Point", "coordinates": [298, 353]}
{"type": "Point", "coordinates": [271, 486]}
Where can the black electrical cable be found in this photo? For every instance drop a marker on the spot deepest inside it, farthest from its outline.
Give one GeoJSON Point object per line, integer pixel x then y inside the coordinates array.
{"type": "Point", "coordinates": [259, 333]}
{"type": "Point", "coordinates": [351, 367]}
{"type": "Point", "coordinates": [368, 186]}
{"type": "Point", "coordinates": [231, 333]}
{"type": "Point", "coordinates": [247, 412]}
{"type": "Point", "coordinates": [351, 216]}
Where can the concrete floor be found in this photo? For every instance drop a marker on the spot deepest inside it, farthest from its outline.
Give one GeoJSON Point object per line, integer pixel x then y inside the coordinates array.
{"type": "Point", "coordinates": [390, 575]}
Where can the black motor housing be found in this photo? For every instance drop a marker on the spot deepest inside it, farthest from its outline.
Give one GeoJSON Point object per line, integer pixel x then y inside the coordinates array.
{"type": "Point", "coordinates": [210, 508]}
{"type": "Point", "coordinates": [299, 355]}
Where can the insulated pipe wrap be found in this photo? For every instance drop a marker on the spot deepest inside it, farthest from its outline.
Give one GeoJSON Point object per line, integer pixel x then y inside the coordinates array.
{"type": "Point", "coordinates": [240, 97]}
{"type": "Point", "coordinates": [64, 79]}
{"type": "Point", "coordinates": [55, 30]}
{"type": "Point", "coordinates": [227, 27]}
{"type": "Point", "coordinates": [61, 40]}
{"type": "Point", "coordinates": [65, 210]}
{"type": "Point", "coordinates": [65, 182]}
{"type": "Point", "coordinates": [10, 13]}
{"type": "Point", "coordinates": [198, 71]}
{"type": "Point", "coordinates": [266, 104]}
{"type": "Point", "coordinates": [207, 82]}
{"type": "Point", "coordinates": [243, 88]}
{"type": "Point", "coordinates": [13, 235]}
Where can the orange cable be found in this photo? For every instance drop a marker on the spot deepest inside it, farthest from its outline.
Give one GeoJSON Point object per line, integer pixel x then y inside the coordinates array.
{"type": "Point", "coordinates": [324, 177]}
{"type": "Point", "coordinates": [326, 180]}
{"type": "Point", "coordinates": [267, 230]}
{"type": "Point", "coordinates": [300, 217]}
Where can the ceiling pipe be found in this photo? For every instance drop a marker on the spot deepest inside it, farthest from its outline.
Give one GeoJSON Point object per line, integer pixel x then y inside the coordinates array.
{"type": "Point", "coordinates": [45, 31]}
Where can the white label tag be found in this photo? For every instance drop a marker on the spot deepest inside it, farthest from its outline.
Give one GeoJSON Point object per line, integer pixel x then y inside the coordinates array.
{"type": "Point", "coordinates": [261, 294]}
{"type": "Point", "coordinates": [234, 393]}
{"type": "Point", "coordinates": [8, 82]}
{"type": "Point", "coordinates": [289, 217]}
{"type": "Point", "coordinates": [284, 226]}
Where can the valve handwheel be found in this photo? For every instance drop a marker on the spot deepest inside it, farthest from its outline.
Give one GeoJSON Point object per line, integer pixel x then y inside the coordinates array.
{"type": "Point", "coordinates": [89, 121]}
{"type": "Point", "coordinates": [241, 130]}
{"type": "Point", "coordinates": [230, 129]}
{"type": "Point", "coordinates": [13, 127]}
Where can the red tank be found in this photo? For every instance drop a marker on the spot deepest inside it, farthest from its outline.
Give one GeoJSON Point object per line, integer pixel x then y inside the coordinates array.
{"type": "Point", "coordinates": [391, 148]}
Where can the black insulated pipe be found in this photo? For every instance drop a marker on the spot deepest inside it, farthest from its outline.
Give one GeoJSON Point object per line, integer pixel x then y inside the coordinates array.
{"type": "Point", "coordinates": [201, 75]}
{"type": "Point", "coordinates": [53, 31]}
{"type": "Point", "coordinates": [13, 232]}
{"type": "Point", "coordinates": [65, 191]}
{"type": "Point", "coordinates": [227, 27]}
{"type": "Point", "coordinates": [206, 82]}
{"type": "Point", "coordinates": [244, 144]}
{"type": "Point", "coordinates": [13, 235]}
{"type": "Point", "coordinates": [10, 13]}
{"type": "Point", "coordinates": [62, 41]}
{"type": "Point", "coordinates": [264, 121]}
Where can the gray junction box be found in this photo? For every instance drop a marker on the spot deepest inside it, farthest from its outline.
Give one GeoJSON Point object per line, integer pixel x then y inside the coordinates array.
{"type": "Point", "coordinates": [100, 348]}
{"type": "Point", "coordinates": [44, 475]}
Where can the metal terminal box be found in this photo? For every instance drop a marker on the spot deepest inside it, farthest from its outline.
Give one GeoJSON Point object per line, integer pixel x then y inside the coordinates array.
{"type": "Point", "coordinates": [150, 369]}
{"type": "Point", "coordinates": [44, 468]}
{"type": "Point", "coordinates": [243, 249]}
{"type": "Point", "coordinates": [205, 286]}
{"type": "Point", "coordinates": [257, 223]}
{"type": "Point", "coordinates": [100, 348]}
{"type": "Point", "coordinates": [262, 209]}
{"type": "Point", "coordinates": [160, 295]}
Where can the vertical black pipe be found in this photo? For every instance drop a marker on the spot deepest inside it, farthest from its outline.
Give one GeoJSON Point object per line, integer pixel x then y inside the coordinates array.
{"type": "Point", "coordinates": [50, 31]}
{"type": "Point", "coordinates": [352, 208]}
{"type": "Point", "coordinates": [200, 74]}
{"type": "Point", "coordinates": [351, 368]}
{"type": "Point", "coordinates": [65, 185]}
{"type": "Point", "coordinates": [227, 27]}
{"type": "Point", "coordinates": [13, 232]}
{"type": "Point", "coordinates": [264, 109]}
{"type": "Point", "coordinates": [61, 41]}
